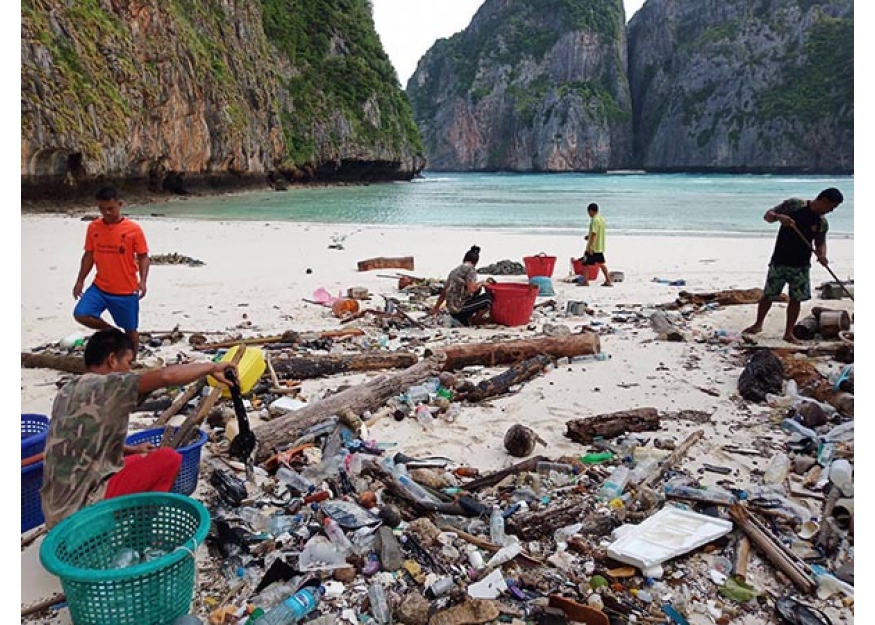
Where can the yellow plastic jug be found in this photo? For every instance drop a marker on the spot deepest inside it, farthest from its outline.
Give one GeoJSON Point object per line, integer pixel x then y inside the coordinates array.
{"type": "Point", "coordinates": [250, 369]}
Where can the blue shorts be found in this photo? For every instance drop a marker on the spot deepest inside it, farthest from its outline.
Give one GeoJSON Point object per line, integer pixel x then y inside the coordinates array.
{"type": "Point", "coordinates": [125, 309]}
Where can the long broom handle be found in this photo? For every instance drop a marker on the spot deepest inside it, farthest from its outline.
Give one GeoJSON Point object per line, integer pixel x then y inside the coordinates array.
{"type": "Point", "coordinates": [811, 247]}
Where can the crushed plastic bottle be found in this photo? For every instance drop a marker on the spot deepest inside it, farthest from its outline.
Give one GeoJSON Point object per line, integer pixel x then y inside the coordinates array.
{"type": "Point", "coordinates": [614, 484]}
{"type": "Point", "coordinates": [496, 527]}
{"type": "Point", "coordinates": [424, 416]}
{"type": "Point", "coordinates": [296, 482]}
{"type": "Point", "coordinates": [777, 470]}
{"type": "Point", "coordinates": [379, 603]}
{"type": "Point", "coordinates": [416, 490]}
{"type": "Point", "coordinates": [294, 608]}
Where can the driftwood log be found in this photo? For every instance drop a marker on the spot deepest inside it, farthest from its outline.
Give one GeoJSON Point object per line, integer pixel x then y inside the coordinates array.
{"type": "Point", "coordinates": [369, 396]}
{"type": "Point", "coordinates": [68, 364]}
{"type": "Point", "coordinates": [496, 476]}
{"type": "Point", "coordinates": [726, 298]}
{"type": "Point", "coordinates": [289, 336]}
{"type": "Point", "coordinates": [510, 352]}
{"type": "Point", "coordinates": [613, 424]}
{"type": "Point", "coordinates": [181, 400]}
{"type": "Point", "coordinates": [386, 262]}
{"type": "Point", "coordinates": [673, 458]}
{"type": "Point", "coordinates": [517, 374]}
{"type": "Point", "coordinates": [785, 560]}
{"type": "Point", "coordinates": [316, 366]}
{"type": "Point", "coordinates": [539, 524]}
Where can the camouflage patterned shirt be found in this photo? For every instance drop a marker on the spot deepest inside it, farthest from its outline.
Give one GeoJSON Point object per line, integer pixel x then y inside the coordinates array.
{"type": "Point", "coordinates": [457, 286]}
{"type": "Point", "coordinates": [85, 442]}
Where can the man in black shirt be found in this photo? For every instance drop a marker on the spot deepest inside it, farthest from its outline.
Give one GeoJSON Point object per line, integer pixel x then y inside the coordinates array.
{"type": "Point", "coordinates": [802, 223]}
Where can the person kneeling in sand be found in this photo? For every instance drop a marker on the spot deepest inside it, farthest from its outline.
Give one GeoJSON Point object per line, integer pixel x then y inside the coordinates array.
{"type": "Point", "coordinates": [86, 458]}
{"type": "Point", "coordinates": [467, 300]}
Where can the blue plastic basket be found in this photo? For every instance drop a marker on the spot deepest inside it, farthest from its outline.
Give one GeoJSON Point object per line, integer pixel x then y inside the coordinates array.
{"type": "Point", "coordinates": [34, 428]}
{"type": "Point", "coordinates": [31, 504]}
{"type": "Point", "coordinates": [186, 481]}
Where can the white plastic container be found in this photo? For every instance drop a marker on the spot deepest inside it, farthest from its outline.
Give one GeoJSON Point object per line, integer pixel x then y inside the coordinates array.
{"type": "Point", "coordinates": [665, 535]}
{"type": "Point", "coordinates": [841, 475]}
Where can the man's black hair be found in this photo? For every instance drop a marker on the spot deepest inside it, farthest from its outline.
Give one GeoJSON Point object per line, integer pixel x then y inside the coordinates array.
{"type": "Point", "coordinates": [105, 342]}
{"type": "Point", "coordinates": [831, 195]}
{"type": "Point", "coordinates": [593, 207]}
{"type": "Point", "coordinates": [107, 193]}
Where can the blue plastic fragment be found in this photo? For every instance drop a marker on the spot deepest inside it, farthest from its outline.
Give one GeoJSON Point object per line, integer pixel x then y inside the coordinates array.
{"type": "Point", "coordinates": [673, 615]}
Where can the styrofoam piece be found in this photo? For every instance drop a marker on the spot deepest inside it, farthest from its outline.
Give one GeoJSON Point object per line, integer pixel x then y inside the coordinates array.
{"type": "Point", "coordinates": [667, 534]}
{"type": "Point", "coordinates": [490, 587]}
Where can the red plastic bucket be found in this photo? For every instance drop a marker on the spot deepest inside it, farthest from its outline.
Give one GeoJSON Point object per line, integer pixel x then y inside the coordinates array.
{"type": "Point", "coordinates": [539, 265]}
{"type": "Point", "coordinates": [592, 271]}
{"type": "Point", "coordinates": [512, 303]}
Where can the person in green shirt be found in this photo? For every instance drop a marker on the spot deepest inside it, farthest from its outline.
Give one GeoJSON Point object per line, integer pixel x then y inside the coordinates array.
{"type": "Point", "coordinates": [595, 245]}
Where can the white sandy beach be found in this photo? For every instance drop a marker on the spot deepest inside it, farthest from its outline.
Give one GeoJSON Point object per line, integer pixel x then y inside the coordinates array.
{"type": "Point", "coordinates": [255, 279]}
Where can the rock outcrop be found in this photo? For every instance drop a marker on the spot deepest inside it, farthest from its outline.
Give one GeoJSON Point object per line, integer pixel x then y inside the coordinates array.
{"type": "Point", "coordinates": [176, 95]}
{"type": "Point", "coordinates": [710, 86]}
{"type": "Point", "coordinates": [528, 86]}
{"type": "Point", "coordinates": [743, 85]}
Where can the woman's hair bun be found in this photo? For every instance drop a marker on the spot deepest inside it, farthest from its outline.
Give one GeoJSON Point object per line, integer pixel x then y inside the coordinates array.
{"type": "Point", "coordinates": [475, 249]}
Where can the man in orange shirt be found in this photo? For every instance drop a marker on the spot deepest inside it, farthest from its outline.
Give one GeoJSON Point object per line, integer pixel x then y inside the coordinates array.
{"type": "Point", "coordinates": [117, 247]}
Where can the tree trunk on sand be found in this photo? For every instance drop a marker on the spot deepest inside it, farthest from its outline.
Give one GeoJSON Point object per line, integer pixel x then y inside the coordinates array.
{"type": "Point", "coordinates": [368, 396]}
{"type": "Point", "coordinates": [613, 424]}
{"type": "Point", "coordinates": [68, 364]}
{"type": "Point", "coordinates": [510, 352]}
{"type": "Point", "coordinates": [384, 262]}
{"type": "Point", "coordinates": [517, 374]}
{"type": "Point", "coordinates": [306, 367]}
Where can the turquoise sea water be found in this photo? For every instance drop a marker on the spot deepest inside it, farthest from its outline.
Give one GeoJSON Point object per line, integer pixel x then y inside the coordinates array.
{"type": "Point", "coordinates": [632, 203]}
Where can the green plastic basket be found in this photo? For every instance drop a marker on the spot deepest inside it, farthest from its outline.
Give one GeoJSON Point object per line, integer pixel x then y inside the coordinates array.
{"type": "Point", "coordinates": [83, 548]}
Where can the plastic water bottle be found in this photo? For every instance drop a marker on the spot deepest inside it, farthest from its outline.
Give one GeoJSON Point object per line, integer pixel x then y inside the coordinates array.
{"type": "Point", "coordinates": [294, 608]}
{"type": "Point", "coordinates": [379, 603]}
{"type": "Point", "coordinates": [777, 470]}
{"type": "Point", "coordinates": [295, 481]}
{"type": "Point", "coordinates": [615, 483]}
{"type": "Point", "coordinates": [424, 416]}
{"type": "Point", "coordinates": [840, 474]}
{"type": "Point", "coordinates": [415, 489]}
{"type": "Point", "coordinates": [496, 527]}
{"type": "Point", "coordinates": [337, 536]}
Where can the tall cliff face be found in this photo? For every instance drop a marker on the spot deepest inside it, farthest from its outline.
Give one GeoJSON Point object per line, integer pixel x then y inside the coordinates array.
{"type": "Point", "coordinates": [743, 85]}
{"type": "Point", "coordinates": [177, 94]}
{"type": "Point", "coordinates": [528, 86]}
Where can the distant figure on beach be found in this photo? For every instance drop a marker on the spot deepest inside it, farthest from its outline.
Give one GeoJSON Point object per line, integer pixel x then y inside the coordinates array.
{"type": "Point", "coordinates": [86, 458]}
{"type": "Point", "coordinates": [117, 247]}
{"type": "Point", "coordinates": [802, 223]}
{"type": "Point", "coordinates": [595, 245]}
{"type": "Point", "coordinates": [467, 300]}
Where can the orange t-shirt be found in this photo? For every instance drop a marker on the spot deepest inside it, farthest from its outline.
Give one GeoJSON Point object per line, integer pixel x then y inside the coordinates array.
{"type": "Point", "coordinates": [115, 248]}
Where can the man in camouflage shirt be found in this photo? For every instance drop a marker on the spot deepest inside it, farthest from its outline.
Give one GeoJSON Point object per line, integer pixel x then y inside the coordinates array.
{"type": "Point", "coordinates": [85, 455]}
{"type": "Point", "coordinates": [802, 222]}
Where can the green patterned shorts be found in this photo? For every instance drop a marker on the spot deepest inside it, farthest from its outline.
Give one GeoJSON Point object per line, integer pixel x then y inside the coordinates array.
{"type": "Point", "coordinates": [795, 277]}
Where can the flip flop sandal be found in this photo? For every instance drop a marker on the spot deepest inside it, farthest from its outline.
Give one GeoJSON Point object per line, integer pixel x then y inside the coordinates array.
{"type": "Point", "coordinates": [795, 612]}
{"type": "Point", "coordinates": [421, 463]}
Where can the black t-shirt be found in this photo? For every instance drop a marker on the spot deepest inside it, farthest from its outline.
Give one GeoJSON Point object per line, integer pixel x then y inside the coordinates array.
{"type": "Point", "coordinates": [790, 249]}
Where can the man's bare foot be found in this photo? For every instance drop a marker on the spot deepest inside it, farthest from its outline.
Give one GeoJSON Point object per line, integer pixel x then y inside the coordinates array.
{"type": "Point", "coordinates": [754, 329]}
{"type": "Point", "coordinates": [789, 338]}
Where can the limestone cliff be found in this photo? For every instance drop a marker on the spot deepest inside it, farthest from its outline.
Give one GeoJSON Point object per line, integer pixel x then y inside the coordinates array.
{"type": "Point", "coordinates": [743, 85]}
{"type": "Point", "coordinates": [181, 94]}
{"type": "Point", "coordinates": [528, 86]}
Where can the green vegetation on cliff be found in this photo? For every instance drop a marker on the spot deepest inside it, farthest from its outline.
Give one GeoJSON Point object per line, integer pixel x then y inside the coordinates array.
{"type": "Point", "coordinates": [340, 65]}
{"type": "Point", "coordinates": [823, 86]}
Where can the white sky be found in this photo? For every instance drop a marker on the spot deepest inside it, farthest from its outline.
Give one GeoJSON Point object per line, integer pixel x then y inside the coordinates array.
{"type": "Point", "coordinates": [408, 28]}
